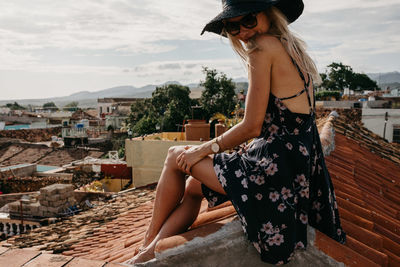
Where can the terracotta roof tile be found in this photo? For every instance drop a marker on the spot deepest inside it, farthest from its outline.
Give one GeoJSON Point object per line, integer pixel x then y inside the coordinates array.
{"type": "Point", "coordinates": [48, 260]}
{"type": "Point", "coordinates": [390, 245]}
{"type": "Point", "coordinates": [389, 234]}
{"type": "Point", "coordinates": [341, 253]}
{"type": "Point", "coordinates": [17, 257]}
{"type": "Point", "coordinates": [394, 260]}
{"type": "Point", "coordinates": [217, 214]}
{"type": "Point", "coordinates": [354, 208]}
{"type": "Point", "coordinates": [363, 181]}
{"type": "Point", "coordinates": [365, 236]}
{"type": "Point", "coordinates": [370, 253]}
{"type": "Point", "coordinates": [359, 221]}
{"type": "Point", "coordinates": [79, 262]}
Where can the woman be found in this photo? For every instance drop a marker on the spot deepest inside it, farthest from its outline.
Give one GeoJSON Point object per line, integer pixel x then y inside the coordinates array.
{"type": "Point", "coordinates": [279, 182]}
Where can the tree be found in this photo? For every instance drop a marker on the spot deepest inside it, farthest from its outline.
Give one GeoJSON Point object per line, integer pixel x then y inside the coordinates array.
{"type": "Point", "coordinates": [361, 81]}
{"type": "Point", "coordinates": [146, 125]}
{"type": "Point", "coordinates": [170, 105]}
{"type": "Point", "coordinates": [219, 94]}
{"type": "Point", "coordinates": [49, 105]}
{"type": "Point", "coordinates": [139, 109]}
{"type": "Point", "coordinates": [72, 104]}
{"type": "Point", "coordinates": [340, 76]}
{"type": "Point", "coordinates": [15, 106]}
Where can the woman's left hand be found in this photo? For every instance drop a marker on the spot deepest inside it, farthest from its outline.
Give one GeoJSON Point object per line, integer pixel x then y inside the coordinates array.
{"type": "Point", "coordinates": [188, 158]}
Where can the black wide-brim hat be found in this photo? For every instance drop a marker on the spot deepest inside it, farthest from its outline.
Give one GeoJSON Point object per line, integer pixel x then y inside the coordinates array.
{"type": "Point", "coordinates": [292, 9]}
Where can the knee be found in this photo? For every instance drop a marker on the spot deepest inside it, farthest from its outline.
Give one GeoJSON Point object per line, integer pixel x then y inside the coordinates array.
{"type": "Point", "coordinates": [173, 153]}
{"type": "Point", "coordinates": [193, 188]}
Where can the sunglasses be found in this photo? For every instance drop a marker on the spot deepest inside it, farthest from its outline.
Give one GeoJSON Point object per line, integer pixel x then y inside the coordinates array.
{"type": "Point", "coordinates": [233, 27]}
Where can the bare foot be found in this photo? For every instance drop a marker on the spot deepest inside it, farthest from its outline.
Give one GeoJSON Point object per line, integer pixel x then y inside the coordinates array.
{"type": "Point", "coordinates": [143, 256]}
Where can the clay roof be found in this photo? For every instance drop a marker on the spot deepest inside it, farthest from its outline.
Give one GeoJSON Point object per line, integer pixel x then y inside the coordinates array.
{"type": "Point", "coordinates": [80, 114]}
{"type": "Point", "coordinates": [349, 124]}
{"type": "Point", "coordinates": [367, 187]}
{"type": "Point", "coordinates": [13, 154]}
{"type": "Point", "coordinates": [92, 112]}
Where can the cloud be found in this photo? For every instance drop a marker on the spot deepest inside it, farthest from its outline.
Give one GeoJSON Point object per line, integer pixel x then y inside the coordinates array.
{"type": "Point", "coordinates": [353, 33]}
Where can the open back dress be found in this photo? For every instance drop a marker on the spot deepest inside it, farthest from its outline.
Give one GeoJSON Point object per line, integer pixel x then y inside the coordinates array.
{"type": "Point", "coordinates": [279, 183]}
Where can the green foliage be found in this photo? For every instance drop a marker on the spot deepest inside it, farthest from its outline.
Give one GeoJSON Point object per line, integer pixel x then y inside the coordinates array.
{"type": "Point", "coordinates": [15, 106]}
{"type": "Point", "coordinates": [219, 94]}
{"type": "Point", "coordinates": [146, 125]}
{"type": "Point", "coordinates": [139, 109]}
{"type": "Point", "coordinates": [327, 95]}
{"type": "Point", "coordinates": [340, 76]}
{"type": "Point", "coordinates": [170, 105]}
{"type": "Point", "coordinates": [72, 104]}
{"type": "Point", "coordinates": [49, 105]}
{"type": "Point", "coordinates": [361, 81]}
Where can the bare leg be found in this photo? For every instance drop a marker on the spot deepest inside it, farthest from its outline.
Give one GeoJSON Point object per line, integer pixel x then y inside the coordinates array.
{"type": "Point", "coordinates": [169, 193]}
{"type": "Point", "coordinates": [185, 214]}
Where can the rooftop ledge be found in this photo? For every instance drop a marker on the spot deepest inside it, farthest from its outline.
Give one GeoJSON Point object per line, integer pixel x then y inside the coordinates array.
{"type": "Point", "coordinates": [227, 246]}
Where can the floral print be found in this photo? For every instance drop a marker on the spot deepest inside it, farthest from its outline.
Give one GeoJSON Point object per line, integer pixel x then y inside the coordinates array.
{"type": "Point", "coordinates": [279, 184]}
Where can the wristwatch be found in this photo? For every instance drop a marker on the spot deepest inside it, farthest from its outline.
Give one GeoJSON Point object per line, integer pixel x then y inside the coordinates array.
{"type": "Point", "coordinates": [215, 146]}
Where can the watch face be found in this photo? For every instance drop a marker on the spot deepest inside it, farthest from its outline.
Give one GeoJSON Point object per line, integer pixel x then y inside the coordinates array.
{"type": "Point", "coordinates": [215, 147]}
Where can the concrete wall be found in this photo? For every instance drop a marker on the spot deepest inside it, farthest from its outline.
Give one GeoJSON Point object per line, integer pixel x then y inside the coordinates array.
{"type": "Point", "coordinates": [229, 247]}
{"type": "Point", "coordinates": [146, 157]}
{"type": "Point", "coordinates": [376, 104]}
{"type": "Point", "coordinates": [336, 104]}
{"type": "Point", "coordinates": [374, 120]}
{"type": "Point", "coordinates": [353, 104]}
{"type": "Point", "coordinates": [103, 108]}
{"type": "Point", "coordinates": [179, 136]}
{"type": "Point", "coordinates": [21, 171]}
{"type": "Point", "coordinates": [115, 121]}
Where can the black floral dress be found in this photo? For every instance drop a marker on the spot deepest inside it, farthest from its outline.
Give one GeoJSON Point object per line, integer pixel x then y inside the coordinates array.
{"type": "Point", "coordinates": [279, 183]}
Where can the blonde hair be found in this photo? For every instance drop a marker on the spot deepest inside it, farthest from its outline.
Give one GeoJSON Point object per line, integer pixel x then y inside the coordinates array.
{"type": "Point", "coordinates": [294, 46]}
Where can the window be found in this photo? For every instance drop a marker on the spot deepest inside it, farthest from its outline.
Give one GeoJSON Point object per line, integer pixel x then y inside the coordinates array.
{"type": "Point", "coordinates": [396, 133]}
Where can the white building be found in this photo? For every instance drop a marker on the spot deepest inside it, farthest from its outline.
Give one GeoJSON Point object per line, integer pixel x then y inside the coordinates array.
{"type": "Point", "coordinates": [107, 106]}
{"type": "Point", "coordinates": [383, 122]}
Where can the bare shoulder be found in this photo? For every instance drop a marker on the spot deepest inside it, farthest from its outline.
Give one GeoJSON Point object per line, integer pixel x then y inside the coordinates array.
{"type": "Point", "coordinates": [268, 45]}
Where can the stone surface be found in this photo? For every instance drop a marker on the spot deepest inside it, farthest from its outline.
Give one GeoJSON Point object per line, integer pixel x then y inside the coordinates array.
{"type": "Point", "coordinates": [229, 246]}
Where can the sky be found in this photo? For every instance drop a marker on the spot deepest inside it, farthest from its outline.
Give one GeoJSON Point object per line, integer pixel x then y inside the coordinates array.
{"type": "Point", "coordinates": [52, 48]}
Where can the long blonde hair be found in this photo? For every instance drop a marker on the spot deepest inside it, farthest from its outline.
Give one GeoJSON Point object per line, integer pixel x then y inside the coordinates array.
{"type": "Point", "coordinates": [293, 45]}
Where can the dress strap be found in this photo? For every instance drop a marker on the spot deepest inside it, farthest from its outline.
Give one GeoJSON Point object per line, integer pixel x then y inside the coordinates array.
{"type": "Point", "coordinates": [306, 85]}
{"type": "Point", "coordinates": [293, 96]}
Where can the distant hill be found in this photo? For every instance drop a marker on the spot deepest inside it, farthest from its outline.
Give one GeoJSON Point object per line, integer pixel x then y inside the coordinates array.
{"type": "Point", "coordinates": [385, 78]}
{"type": "Point", "coordinates": [89, 99]}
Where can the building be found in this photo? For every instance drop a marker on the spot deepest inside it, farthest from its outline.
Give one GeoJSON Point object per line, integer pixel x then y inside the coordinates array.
{"type": "Point", "coordinates": [110, 105]}
{"type": "Point", "coordinates": [383, 122]}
